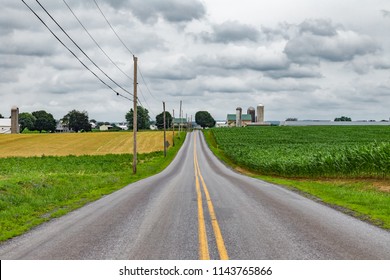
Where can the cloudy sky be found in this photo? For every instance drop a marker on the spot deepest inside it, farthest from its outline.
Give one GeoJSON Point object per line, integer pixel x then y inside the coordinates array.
{"type": "Point", "coordinates": [309, 59]}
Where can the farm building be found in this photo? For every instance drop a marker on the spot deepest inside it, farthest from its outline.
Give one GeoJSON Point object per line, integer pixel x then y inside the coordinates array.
{"type": "Point", "coordinates": [106, 127]}
{"type": "Point", "coordinates": [239, 119]}
{"type": "Point", "coordinates": [182, 121]}
{"type": "Point", "coordinates": [232, 118]}
{"type": "Point", "coordinates": [5, 126]}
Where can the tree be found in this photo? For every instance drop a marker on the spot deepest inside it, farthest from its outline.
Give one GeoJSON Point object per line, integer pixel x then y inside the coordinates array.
{"type": "Point", "coordinates": [343, 119]}
{"type": "Point", "coordinates": [204, 119]}
{"type": "Point", "coordinates": [143, 119]}
{"type": "Point", "coordinates": [77, 121]}
{"type": "Point", "coordinates": [160, 120]}
{"type": "Point", "coordinates": [44, 121]}
{"type": "Point", "coordinates": [26, 120]}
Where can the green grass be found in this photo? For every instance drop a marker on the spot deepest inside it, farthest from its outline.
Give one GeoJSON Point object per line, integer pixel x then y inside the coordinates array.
{"type": "Point", "coordinates": [356, 196]}
{"type": "Point", "coordinates": [37, 189]}
{"type": "Point", "coordinates": [359, 199]}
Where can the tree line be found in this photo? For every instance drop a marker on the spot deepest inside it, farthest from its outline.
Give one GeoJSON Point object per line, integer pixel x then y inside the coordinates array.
{"type": "Point", "coordinates": [202, 118]}
{"type": "Point", "coordinates": [78, 120]}
{"type": "Point", "coordinates": [44, 121]}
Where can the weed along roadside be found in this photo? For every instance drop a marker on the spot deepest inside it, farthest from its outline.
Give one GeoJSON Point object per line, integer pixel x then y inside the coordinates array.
{"type": "Point", "coordinates": [345, 167]}
{"type": "Point", "coordinates": [36, 189]}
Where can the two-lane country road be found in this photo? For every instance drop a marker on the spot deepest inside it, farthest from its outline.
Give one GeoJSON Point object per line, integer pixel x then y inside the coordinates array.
{"type": "Point", "coordinates": [199, 209]}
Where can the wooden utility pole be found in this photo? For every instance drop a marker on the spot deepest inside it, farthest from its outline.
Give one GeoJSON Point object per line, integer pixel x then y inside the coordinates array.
{"type": "Point", "coordinates": [180, 117]}
{"type": "Point", "coordinates": [173, 128]}
{"type": "Point", "coordinates": [135, 117]}
{"type": "Point", "coordinates": [165, 132]}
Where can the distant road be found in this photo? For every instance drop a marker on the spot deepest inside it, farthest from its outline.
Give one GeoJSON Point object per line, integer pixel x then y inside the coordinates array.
{"type": "Point", "coordinates": [198, 209]}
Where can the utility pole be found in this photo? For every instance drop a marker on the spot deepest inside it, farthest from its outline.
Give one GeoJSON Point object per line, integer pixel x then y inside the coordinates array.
{"type": "Point", "coordinates": [135, 117]}
{"type": "Point", "coordinates": [165, 133]}
{"type": "Point", "coordinates": [173, 128]}
{"type": "Point", "coordinates": [180, 117]}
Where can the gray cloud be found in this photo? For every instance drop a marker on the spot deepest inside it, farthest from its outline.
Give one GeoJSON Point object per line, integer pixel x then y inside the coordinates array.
{"type": "Point", "coordinates": [170, 10]}
{"type": "Point", "coordinates": [343, 45]}
{"type": "Point", "coordinates": [231, 31]}
{"type": "Point", "coordinates": [28, 44]}
{"type": "Point", "coordinates": [239, 56]}
{"type": "Point", "coordinates": [246, 58]}
{"type": "Point", "coordinates": [385, 13]}
{"type": "Point", "coordinates": [320, 27]}
{"type": "Point", "coordinates": [294, 71]}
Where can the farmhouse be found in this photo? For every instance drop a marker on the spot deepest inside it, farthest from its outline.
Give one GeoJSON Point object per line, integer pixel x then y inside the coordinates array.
{"type": "Point", "coordinates": [5, 126]}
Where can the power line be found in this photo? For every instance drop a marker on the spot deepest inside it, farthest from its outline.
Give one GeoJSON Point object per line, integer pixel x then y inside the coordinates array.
{"type": "Point", "coordinates": [148, 106]}
{"type": "Point", "coordinates": [112, 28]}
{"type": "Point", "coordinates": [97, 44]}
{"type": "Point", "coordinates": [143, 79]}
{"type": "Point", "coordinates": [62, 43]}
{"type": "Point", "coordinates": [116, 34]}
{"type": "Point", "coordinates": [70, 38]}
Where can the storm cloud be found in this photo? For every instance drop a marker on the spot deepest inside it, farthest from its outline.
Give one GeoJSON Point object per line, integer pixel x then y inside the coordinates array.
{"type": "Point", "coordinates": [213, 55]}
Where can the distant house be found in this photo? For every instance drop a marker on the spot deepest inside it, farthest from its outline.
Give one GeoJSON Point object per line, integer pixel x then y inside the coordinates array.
{"type": "Point", "coordinates": [5, 126]}
{"type": "Point", "coordinates": [245, 119]}
{"type": "Point", "coordinates": [221, 124]}
{"type": "Point", "coordinates": [105, 127]}
{"type": "Point", "coordinates": [122, 126]}
{"type": "Point", "coordinates": [61, 127]}
{"type": "Point", "coordinates": [153, 127]}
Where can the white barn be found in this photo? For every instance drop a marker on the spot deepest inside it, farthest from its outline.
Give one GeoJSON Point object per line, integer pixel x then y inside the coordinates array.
{"type": "Point", "coordinates": [5, 126]}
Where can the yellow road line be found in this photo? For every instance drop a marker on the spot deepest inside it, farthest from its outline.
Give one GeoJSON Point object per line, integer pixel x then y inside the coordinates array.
{"type": "Point", "coordinates": [203, 244]}
{"type": "Point", "coordinates": [214, 222]}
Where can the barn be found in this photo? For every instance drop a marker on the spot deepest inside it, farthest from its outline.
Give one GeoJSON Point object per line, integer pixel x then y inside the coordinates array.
{"type": "Point", "coordinates": [5, 126]}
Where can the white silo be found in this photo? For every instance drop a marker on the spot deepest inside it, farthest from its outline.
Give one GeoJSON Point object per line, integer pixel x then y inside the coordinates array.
{"type": "Point", "coordinates": [238, 116]}
{"type": "Point", "coordinates": [260, 113]}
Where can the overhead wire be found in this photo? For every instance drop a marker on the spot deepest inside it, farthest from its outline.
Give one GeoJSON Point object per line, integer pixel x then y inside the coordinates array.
{"type": "Point", "coordinates": [112, 28]}
{"type": "Point", "coordinates": [63, 44]}
{"type": "Point", "coordinates": [86, 55]}
{"type": "Point", "coordinates": [146, 85]}
{"type": "Point", "coordinates": [96, 43]}
{"type": "Point", "coordinates": [127, 48]}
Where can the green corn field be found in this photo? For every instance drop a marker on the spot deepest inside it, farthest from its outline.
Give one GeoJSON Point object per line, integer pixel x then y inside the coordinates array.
{"type": "Point", "coordinates": [312, 151]}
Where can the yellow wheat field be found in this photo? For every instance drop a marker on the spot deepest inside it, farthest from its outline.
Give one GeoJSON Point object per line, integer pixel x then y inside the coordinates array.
{"type": "Point", "coordinates": [62, 144]}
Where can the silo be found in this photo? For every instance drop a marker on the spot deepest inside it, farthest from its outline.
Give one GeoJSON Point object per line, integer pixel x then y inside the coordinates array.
{"type": "Point", "coordinates": [14, 120]}
{"type": "Point", "coordinates": [238, 116]}
{"type": "Point", "coordinates": [251, 111]}
{"type": "Point", "coordinates": [260, 113]}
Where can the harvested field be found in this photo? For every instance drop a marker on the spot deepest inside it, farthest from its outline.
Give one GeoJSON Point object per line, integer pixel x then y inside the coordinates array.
{"type": "Point", "coordinates": [28, 145]}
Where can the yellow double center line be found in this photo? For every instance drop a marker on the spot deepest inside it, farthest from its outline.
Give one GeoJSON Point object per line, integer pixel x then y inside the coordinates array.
{"type": "Point", "coordinates": [203, 244]}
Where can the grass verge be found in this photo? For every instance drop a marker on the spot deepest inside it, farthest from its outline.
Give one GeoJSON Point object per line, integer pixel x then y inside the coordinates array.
{"type": "Point", "coordinates": [360, 198]}
{"type": "Point", "coordinates": [36, 189]}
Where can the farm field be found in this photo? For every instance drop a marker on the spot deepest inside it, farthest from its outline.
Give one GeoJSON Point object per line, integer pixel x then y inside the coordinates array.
{"type": "Point", "coordinates": [309, 152]}
{"type": "Point", "coordinates": [344, 167]}
{"type": "Point", "coordinates": [63, 144]}
{"type": "Point", "coordinates": [38, 188]}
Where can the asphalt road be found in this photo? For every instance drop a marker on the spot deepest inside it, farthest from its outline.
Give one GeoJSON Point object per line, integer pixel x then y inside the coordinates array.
{"type": "Point", "coordinates": [198, 209]}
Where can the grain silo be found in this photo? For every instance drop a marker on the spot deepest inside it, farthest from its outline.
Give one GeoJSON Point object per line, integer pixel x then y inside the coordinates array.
{"type": "Point", "coordinates": [238, 116]}
{"type": "Point", "coordinates": [251, 111]}
{"type": "Point", "coordinates": [260, 113]}
{"type": "Point", "coordinates": [14, 120]}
